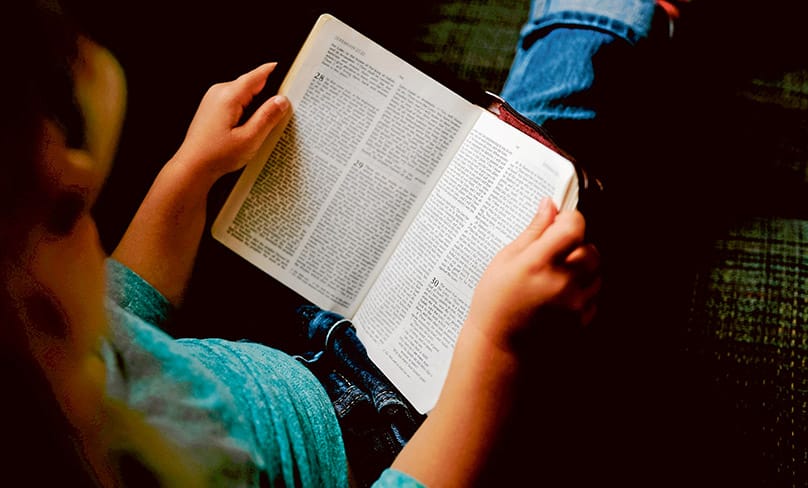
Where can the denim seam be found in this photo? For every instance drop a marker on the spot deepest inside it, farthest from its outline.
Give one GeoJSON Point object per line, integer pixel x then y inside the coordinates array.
{"type": "Point", "coordinates": [385, 398]}
{"type": "Point", "coordinates": [586, 20]}
{"type": "Point", "coordinates": [344, 404]}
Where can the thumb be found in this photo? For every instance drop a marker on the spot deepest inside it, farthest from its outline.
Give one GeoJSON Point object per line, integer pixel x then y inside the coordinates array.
{"type": "Point", "coordinates": [545, 216]}
{"type": "Point", "coordinates": [265, 118]}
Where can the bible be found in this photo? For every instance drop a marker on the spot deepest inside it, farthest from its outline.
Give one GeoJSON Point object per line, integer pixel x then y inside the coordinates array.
{"type": "Point", "coordinates": [383, 196]}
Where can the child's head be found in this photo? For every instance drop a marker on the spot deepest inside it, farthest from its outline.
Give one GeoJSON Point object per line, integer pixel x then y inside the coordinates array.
{"type": "Point", "coordinates": [60, 129]}
{"type": "Point", "coordinates": [63, 107]}
{"type": "Point", "coordinates": [64, 104]}
{"type": "Point", "coordinates": [64, 110]}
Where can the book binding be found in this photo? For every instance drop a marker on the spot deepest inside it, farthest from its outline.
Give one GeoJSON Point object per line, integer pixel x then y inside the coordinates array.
{"type": "Point", "coordinates": [589, 186]}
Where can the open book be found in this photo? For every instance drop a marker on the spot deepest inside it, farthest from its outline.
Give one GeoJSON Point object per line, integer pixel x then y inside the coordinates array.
{"type": "Point", "coordinates": [384, 195]}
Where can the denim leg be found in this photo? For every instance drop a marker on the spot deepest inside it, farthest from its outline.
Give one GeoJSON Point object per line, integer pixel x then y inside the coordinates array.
{"type": "Point", "coordinates": [375, 419]}
{"type": "Point", "coordinates": [553, 70]}
{"type": "Point", "coordinates": [548, 76]}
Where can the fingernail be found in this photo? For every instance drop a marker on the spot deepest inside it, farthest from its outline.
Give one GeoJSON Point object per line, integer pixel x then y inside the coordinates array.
{"type": "Point", "coordinates": [281, 102]}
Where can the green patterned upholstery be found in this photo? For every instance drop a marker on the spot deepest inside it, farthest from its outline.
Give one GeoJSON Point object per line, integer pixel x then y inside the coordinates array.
{"type": "Point", "coordinates": [473, 40]}
{"type": "Point", "coordinates": [748, 325]}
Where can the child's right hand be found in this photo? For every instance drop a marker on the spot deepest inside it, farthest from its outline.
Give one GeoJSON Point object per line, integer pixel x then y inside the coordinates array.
{"type": "Point", "coordinates": [548, 266]}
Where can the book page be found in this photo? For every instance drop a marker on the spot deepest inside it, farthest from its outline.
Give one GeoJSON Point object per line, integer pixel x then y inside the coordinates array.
{"type": "Point", "coordinates": [322, 206]}
{"type": "Point", "coordinates": [410, 320]}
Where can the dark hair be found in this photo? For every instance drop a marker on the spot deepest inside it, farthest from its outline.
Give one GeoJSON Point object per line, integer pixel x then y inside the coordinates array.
{"type": "Point", "coordinates": [39, 47]}
{"type": "Point", "coordinates": [38, 52]}
{"type": "Point", "coordinates": [43, 447]}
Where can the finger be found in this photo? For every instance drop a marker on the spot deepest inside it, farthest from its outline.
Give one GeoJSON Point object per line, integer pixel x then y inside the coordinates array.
{"type": "Point", "coordinates": [541, 220]}
{"type": "Point", "coordinates": [584, 258]}
{"type": "Point", "coordinates": [251, 83]}
{"type": "Point", "coordinates": [579, 288]}
{"type": "Point", "coordinates": [561, 237]}
{"type": "Point", "coordinates": [265, 118]}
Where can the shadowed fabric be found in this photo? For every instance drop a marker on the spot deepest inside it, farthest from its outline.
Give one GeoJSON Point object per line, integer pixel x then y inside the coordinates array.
{"type": "Point", "coordinates": [248, 414]}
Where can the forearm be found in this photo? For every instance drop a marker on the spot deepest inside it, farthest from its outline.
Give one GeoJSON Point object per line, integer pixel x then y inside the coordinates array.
{"type": "Point", "coordinates": [162, 240]}
{"type": "Point", "coordinates": [454, 443]}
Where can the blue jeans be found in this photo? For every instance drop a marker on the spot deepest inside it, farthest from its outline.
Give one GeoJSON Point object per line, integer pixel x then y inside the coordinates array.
{"type": "Point", "coordinates": [553, 72]}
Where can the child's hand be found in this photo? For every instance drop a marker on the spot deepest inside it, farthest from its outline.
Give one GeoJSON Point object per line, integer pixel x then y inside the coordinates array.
{"type": "Point", "coordinates": [215, 144]}
{"type": "Point", "coordinates": [545, 267]}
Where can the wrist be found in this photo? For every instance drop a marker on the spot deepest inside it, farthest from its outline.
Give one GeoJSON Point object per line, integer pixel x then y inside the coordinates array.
{"type": "Point", "coordinates": [188, 174]}
{"type": "Point", "coordinates": [492, 334]}
{"type": "Point", "coordinates": [475, 341]}
{"type": "Point", "coordinates": [481, 370]}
